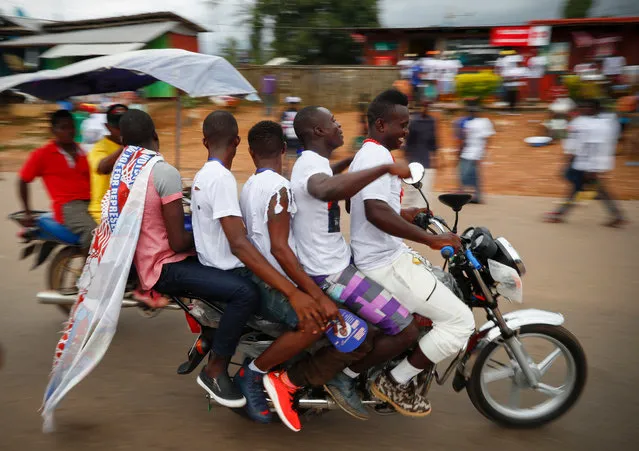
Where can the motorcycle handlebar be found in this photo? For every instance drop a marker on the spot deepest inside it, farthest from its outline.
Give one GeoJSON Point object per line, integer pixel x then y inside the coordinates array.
{"type": "Point", "coordinates": [447, 252]}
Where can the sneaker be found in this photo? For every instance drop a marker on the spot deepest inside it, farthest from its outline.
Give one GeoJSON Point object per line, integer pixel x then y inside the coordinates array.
{"type": "Point", "coordinates": [404, 398]}
{"type": "Point", "coordinates": [616, 223]}
{"type": "Point", "coordinates": [281, 395]}
{"type": "Point", "coordinates": [553, 217]}
{"type": "Point", "coordinates": [249, 382]}
{"type": "Point", "coordinates": [342, 390]}
{"type": "Point", "coordinates": [221, 390]}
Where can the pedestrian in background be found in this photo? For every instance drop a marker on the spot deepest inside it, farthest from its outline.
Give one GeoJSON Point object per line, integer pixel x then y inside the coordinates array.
{"type": "Point", "coordinates": [269, 85]}
{"type": "Point", "coordinates": [475, 131]}
{"type": "Point", "coordinates": [421, 147]}
{"type": "Point", "coordinates": [293, 146]}
{"type": "Point", "coordinates": [591, 146]}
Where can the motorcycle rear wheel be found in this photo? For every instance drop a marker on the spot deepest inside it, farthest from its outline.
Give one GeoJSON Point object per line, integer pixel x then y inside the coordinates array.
{"type": "Point", "coordinates": [489, 369]}
{"type": "Point", "coordinates": [64, 271]}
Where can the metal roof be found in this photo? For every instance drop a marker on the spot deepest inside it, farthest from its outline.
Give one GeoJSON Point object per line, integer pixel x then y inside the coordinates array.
{"type": "Point", "coordinates": [109, 35]}
{"type": "Point", "coordinates": [90, 49]}
{"type": "Point", "coordinates": [588, 21]}
{"type": "Point", "coordinates": [83, 24]}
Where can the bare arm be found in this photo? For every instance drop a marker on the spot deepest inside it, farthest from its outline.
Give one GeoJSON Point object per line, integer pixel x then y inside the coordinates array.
{"type": "Point", "coordinates": [382, 216]}
{"type": "Point", "coordinates": [340, 166]}
{"type": "Point", "coordinates": [308, 314]}
{"type": "Point", "coordinates": [106, 164]}
{"type": "Point", "coordinates": [179, 239]}
{"type": "Point", "coordinates": [278, 230]}
{"type": "Point", "coordinates": [345, 186]}
{"type": "Point", "coordinates": [23, 190]}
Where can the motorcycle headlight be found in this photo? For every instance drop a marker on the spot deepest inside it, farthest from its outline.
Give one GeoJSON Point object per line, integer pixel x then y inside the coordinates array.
{"type": "Point", "coordinates": [509, 256]}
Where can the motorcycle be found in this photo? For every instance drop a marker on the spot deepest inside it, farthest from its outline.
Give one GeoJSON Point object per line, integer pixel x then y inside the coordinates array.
{"type": "Point", "coordinates": [41, 239]}
{"type": "Point", "coordinates": [44, 235]}
{"type": "Point", "coordinates": [485, 270]}
{"type": "Point", "coordinates": [503, 351]}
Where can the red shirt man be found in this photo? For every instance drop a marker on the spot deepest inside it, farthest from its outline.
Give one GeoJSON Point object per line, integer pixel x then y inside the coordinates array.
{"type": "Point", "coordinates": [65, 173]}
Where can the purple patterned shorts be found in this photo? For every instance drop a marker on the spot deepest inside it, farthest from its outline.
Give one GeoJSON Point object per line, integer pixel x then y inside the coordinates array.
{"type": "Point", "coordinates": [367, 299]}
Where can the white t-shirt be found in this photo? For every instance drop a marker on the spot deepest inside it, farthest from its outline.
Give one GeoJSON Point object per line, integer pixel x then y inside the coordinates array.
{"type": "Point", "coordinates": [611, 129]}
{"type": "Point", "coordinates": [321, 248]}
{"type": "Point", "coordinates": [93, 128]}
{"type": "Point", "coordinates": [426, 64]}
{"type": "Point", "coordinates": [537, 66]}
{"type": "Point", "coordinates": [256, 196]}
{"type": "Point", "coordinates": [613, 65]}
{"type": "Point", "coordinates": [476, 131]}
{"type": "Point", "coordinates": [373, 248]}
{"type": "Point", "coordinates": [405, 67]}
{"type": "Point", "coordinates": [214, 196]}
{"type": "Point", "coordinates": [507, 62]}
{"type": "Point", "coordinates": [593, 141]}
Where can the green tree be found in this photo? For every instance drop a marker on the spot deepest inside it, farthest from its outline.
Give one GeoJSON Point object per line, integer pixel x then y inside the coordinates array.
{"type": "Point", "coordinates": [313, 31]}
{"type": "Point", "coordinates": [231, 50]}
{"type": "Point", "coordinates": [575, 9]}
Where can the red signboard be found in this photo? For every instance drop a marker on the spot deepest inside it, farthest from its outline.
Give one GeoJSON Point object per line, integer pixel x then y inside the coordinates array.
{"type": "Point", "coordinates": [520, 36]}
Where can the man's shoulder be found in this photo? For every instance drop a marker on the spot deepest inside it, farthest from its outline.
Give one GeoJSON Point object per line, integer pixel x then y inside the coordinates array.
{"type": "Point", "coordinates": [101, 148]}
{"type": "Point", "coordinates": [47, 148]}
{"type": "Point", "coordinates": [213, 174]}
{"type": "Point", "coordinates": [164, 170]}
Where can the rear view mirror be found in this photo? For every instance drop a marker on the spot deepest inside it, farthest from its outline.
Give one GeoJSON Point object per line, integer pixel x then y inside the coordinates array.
{"type": "Point", "coordinates": [416, 174]}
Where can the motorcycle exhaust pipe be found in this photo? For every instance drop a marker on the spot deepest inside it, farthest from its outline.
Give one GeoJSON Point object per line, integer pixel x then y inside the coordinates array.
{"type": "Point", "coordinates": [324, 404]}
{"type": "Point", "coordinates": [327, 403]}
{"type": "Point", "coordinates": [54, 298]}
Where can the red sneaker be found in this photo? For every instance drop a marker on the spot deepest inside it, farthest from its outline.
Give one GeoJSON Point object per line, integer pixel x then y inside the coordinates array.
{"type": "Point", "coordinates": [281, 394]}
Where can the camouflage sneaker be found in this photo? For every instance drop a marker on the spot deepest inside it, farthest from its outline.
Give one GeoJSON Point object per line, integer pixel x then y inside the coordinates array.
{"type": "Point", "coordinates": [406, 399]}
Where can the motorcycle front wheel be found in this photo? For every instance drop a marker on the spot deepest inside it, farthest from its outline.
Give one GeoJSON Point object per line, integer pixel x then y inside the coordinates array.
{"type": "Point", "coordinates": [500, 391]}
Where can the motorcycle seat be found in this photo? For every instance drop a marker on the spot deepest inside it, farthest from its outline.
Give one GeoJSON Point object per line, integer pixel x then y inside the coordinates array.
{"type": "Point", "coordinates": [52, 230]}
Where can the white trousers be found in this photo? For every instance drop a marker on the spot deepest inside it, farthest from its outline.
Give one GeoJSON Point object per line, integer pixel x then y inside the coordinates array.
{"type": "Point", "coordinates": [417, 288]}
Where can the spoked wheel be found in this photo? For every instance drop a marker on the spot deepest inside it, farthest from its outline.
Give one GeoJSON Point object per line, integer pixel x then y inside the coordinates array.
{"type": "Point", "coordinates": [64, 271]}
{"type": "Point", "coordinates": [500, 391]}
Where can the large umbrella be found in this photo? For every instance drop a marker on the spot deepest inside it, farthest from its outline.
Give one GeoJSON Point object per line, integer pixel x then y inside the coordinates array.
{"type": "Point", "coordinates": [195, 74]}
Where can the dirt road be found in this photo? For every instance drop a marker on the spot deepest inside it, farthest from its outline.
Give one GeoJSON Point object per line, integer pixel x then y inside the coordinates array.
{"type": "Point", "coordinates": [511, 166]}
{"type": "Point", "coordinates": [135, 401]}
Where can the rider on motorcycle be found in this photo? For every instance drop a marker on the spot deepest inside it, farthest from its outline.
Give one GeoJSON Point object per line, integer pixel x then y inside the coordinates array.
{"type": "Point", "coordinates": [63, 167]}
{"type": "Point", "coordinates": [325, 256]}
{"type": "Point", "coordinates": [378, 227]}
{"type": "Point", "coordinates": [165, 261]}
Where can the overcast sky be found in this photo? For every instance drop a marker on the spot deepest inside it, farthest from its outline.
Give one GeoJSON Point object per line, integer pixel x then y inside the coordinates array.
{"type": "Point", "coordinates": [223, 19]}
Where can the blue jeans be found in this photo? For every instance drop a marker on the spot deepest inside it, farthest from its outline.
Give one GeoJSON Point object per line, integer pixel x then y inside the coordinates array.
{"type": "Point", "coordinates": [469, 175]}
{"type": "Point", "coordinates": [190, 278]}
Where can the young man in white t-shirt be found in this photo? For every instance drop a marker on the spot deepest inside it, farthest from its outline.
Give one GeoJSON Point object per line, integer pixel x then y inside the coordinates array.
{"type": "Point", "coordinates": [221, 242]}
{"type": "Point", "coordinates": [378, 227]}
{"type": "Point", "coordinates": [326, 257]}
{"type": "Point", "coordinates": [476, 131]}
{"type": "Point", "coordinates": [268, 208]}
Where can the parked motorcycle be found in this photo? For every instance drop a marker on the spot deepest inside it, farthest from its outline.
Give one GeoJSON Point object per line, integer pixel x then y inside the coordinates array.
{"type": "Point", "coordinates": [519, 369]}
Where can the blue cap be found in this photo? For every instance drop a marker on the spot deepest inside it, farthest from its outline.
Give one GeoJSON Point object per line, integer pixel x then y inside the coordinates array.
{"type": "Point", "coordinates": [354, 336]}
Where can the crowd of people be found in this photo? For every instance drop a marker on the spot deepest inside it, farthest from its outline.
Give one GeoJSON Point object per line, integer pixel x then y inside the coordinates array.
{"type": "Point", "coordinates": [276, 251]}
